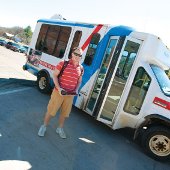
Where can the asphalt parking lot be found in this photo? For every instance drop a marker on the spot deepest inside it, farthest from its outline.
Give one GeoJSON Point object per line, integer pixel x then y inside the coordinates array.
{"type": "Point", "coordinates": [90, 145]}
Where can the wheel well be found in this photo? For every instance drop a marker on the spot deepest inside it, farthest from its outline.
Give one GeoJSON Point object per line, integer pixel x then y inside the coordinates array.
{"type": "Point", "coordinates": [43, 72]}
{"type": "Point", "coordinates": [150, 121]}
{"type": "Point", "coordinates": [49, 84]}
{"type": "Point", "coordinates": [156, 121]}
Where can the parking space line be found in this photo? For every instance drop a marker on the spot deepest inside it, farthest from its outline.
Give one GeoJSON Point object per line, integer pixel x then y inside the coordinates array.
{"type": "Point", "coordinates": [15, 91]}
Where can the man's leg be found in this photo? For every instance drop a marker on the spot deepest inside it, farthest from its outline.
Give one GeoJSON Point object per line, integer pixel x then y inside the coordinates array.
{"type": "Point", "coordinates": [60, 130]}
{"type": "Point", "coordinates": [65, 111]}
{"type": "Point", "coordinates": [47, 118]}
{"type": "Point", "coordinates": [53, 106]}
{"type": "Point", "coordinates": [61, 120]}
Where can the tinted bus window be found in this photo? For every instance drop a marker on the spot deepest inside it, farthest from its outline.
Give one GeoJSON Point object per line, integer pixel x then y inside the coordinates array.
{"type": "Point", "coordinates": [53, 40]}
{"type": "Point", "coordinates": [62, 41]}
{"type": "Point", "coordinates": [41, 37]}
{"type": "Point", "coordinates": [76, 41]}
{"type": "Point", "coordinates": [137, 92]}
{"type": "Point", "coordinates": [92, 49]}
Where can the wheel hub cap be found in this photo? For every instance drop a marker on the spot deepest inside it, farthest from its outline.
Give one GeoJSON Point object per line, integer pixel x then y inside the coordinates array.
{"type": "Point", "coordinates": [42, 83]}
{"type": "Point", "coordinates": [160, 145]}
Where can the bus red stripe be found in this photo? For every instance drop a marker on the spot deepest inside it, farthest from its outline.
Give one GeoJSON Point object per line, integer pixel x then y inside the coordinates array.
{"type": "Point", "coordinates": [86, 43]}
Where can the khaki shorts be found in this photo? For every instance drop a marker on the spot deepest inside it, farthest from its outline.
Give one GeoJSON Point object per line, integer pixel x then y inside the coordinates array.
{"type": "Point", "coordinates": [58, 101]}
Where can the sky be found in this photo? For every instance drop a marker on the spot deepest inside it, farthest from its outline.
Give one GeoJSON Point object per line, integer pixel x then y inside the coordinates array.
{"type": "Point", "coordinates": [151, 16]}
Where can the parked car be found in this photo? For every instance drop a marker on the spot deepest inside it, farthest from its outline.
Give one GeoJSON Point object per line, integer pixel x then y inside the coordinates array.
{"type": "Point", "coordinates": [2, 42]}
{"type": "Point", "coordinates": [22, 49]}
{"type": "Point", "coordinates": [13, 46]}
{"type": "Point", "coordinates": [26, 47]}
{"type": "Point", "coordinates": [9, 44]}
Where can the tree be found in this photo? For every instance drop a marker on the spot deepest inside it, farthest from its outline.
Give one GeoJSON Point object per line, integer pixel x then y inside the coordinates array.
{"type": "Point", "coordinates": [15, 30]}
{"type": "Point", "coordinates": [23, 34]}
{"type": "Point", "coordinates": [28, 34]}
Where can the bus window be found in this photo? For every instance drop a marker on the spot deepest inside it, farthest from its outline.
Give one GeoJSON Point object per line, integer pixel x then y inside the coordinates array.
{"type": "Point", "coordinates": [41, 37]}
{"type": "Point", "coordinates": [62, 41]}
{"type": "Point", "coordinates": [53, 40]}
{"type": "Point", "coordinates": [137, 92]}
{"type": "Point", "coordinates": [128, 57]}
{"type": "Point", "coordinates": [168, 73]}
{"type": "Point", "coordinates": [118, 84]}
{"type": "Point", "coordinates": [76, 41]}
{"type": "Point", "coordinates": [102, 74]}
{"type": "Point", "coordinates": [162, 79]}
{"type": "Point", "coordinates": [50, 39]}
{"type": "Point", "coordinates": [92, 49]}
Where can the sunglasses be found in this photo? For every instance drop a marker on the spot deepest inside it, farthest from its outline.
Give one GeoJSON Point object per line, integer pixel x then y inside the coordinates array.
{"type": "Point", "coordinates": [79, 55]}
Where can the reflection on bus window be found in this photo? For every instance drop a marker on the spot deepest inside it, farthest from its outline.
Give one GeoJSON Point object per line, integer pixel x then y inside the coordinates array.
{"type": "Point", "coordinates": [127, 59]}
{"type": "Point", "coordinates": [137, 92]}
{"type": "Point", "coordinates": [53, 39]}
{"type": "Point", "coordinates": [102, 74]}
{"type": "Point", "coordinates": [118, 84]}
{"type": "Point", "coordinates": [92, 49]}
{"type": "Point", "coordinates": [41, 37]}
{"type": "Point", "coordinates": [163, 79]}
{"type": "Point", "coordinates": [168, 73]}
{"type": "Point", "coordinates": [76, 41]}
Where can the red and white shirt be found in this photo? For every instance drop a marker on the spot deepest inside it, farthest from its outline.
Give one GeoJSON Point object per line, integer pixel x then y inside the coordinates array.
{"type": "Point", "coordinates": [70, 76]}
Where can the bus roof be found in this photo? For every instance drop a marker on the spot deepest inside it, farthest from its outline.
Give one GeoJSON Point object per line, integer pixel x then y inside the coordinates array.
{"type": "Point", "coordinates": [82, 24]}
{"type": "Point", "coordinates": [65, 22]}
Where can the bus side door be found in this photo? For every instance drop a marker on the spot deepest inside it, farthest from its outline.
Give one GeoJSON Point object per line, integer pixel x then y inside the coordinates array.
{"type": "Point", "coordinates": [111, 85]}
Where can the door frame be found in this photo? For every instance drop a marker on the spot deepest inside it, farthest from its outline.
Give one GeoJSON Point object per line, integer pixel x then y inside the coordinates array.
{"type": "Point", "coordinates": [110, 83]}
{"type": "Point", "coordinates": [119, 42]}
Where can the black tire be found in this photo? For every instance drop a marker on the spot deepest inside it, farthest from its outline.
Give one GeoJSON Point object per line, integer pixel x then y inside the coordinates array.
{"type": "Point", "coordinates": [43, 83]}
{"type": "Point", "coordinates": [156, 142]}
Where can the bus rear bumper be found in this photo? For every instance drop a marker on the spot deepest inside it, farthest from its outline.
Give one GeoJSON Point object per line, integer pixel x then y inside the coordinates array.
{"type": "Point", "coordinates": [24, 67]}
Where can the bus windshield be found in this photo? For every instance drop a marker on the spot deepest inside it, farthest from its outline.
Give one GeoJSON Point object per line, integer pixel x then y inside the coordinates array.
{"type": "Point", "coordinates": [163, 80]}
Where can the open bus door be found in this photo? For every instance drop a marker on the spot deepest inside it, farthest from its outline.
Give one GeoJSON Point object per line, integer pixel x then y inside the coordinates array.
{"type": "Point", "coordinates": [108, 90]}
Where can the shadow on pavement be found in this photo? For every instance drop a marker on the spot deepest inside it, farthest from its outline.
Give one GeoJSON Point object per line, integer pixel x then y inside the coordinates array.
{"type": "Point", "coordinates": [14, 83]}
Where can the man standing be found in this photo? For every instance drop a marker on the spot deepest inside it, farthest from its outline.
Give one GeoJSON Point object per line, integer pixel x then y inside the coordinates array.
{"type": "Point", "coordinates": [66, 86]}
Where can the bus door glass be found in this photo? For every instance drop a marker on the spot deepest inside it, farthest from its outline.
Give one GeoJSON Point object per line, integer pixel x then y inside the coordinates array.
{"type": "Point", "coordinates": [102, 74]}
{"type": "Point", "coordinates": [117, 83]}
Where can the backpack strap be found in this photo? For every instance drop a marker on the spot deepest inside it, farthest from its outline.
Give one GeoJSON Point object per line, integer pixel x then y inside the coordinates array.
{"type": "Point", "coordinates": [63, 67]}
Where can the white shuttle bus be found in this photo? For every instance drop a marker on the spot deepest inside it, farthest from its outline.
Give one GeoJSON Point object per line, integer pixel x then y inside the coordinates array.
{"type": "Point", "coordinates": [124, 83]}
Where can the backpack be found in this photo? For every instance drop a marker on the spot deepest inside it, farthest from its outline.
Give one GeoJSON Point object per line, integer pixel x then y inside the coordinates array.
{"type": "Point", "coordinates": [64, 66]}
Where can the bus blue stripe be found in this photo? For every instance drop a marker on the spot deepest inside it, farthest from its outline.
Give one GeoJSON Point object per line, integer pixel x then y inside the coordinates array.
{"type": "Point", "coordinates": [115, 31]}
{"type": "Point", "coordinates": [34, 70]}
{"type": "Point", "coordinates": [66, 23]}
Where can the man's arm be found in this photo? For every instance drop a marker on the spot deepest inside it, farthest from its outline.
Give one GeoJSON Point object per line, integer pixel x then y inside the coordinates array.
{"type": "Point", "coordinates": [55, 79]}
{"type": "Point", "coordinates": [78, 84]}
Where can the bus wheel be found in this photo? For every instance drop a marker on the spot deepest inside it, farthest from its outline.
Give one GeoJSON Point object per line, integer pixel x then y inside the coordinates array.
{"type": "Point", "coordinates": [43, 83]}
{"type": "Point", "coordinates": [156, 142]}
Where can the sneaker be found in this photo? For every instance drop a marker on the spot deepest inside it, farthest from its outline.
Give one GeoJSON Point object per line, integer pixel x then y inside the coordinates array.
{"type": "Point", "coordinates": [42, 130]}
{"type": "Point", "coordinates": [61, 133]}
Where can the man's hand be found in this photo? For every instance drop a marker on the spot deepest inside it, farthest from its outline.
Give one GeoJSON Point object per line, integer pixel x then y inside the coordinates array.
{"type": "Point", "coordinates": [55, 79]}
{"type": "Point", "coordinates": [61, 91]}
